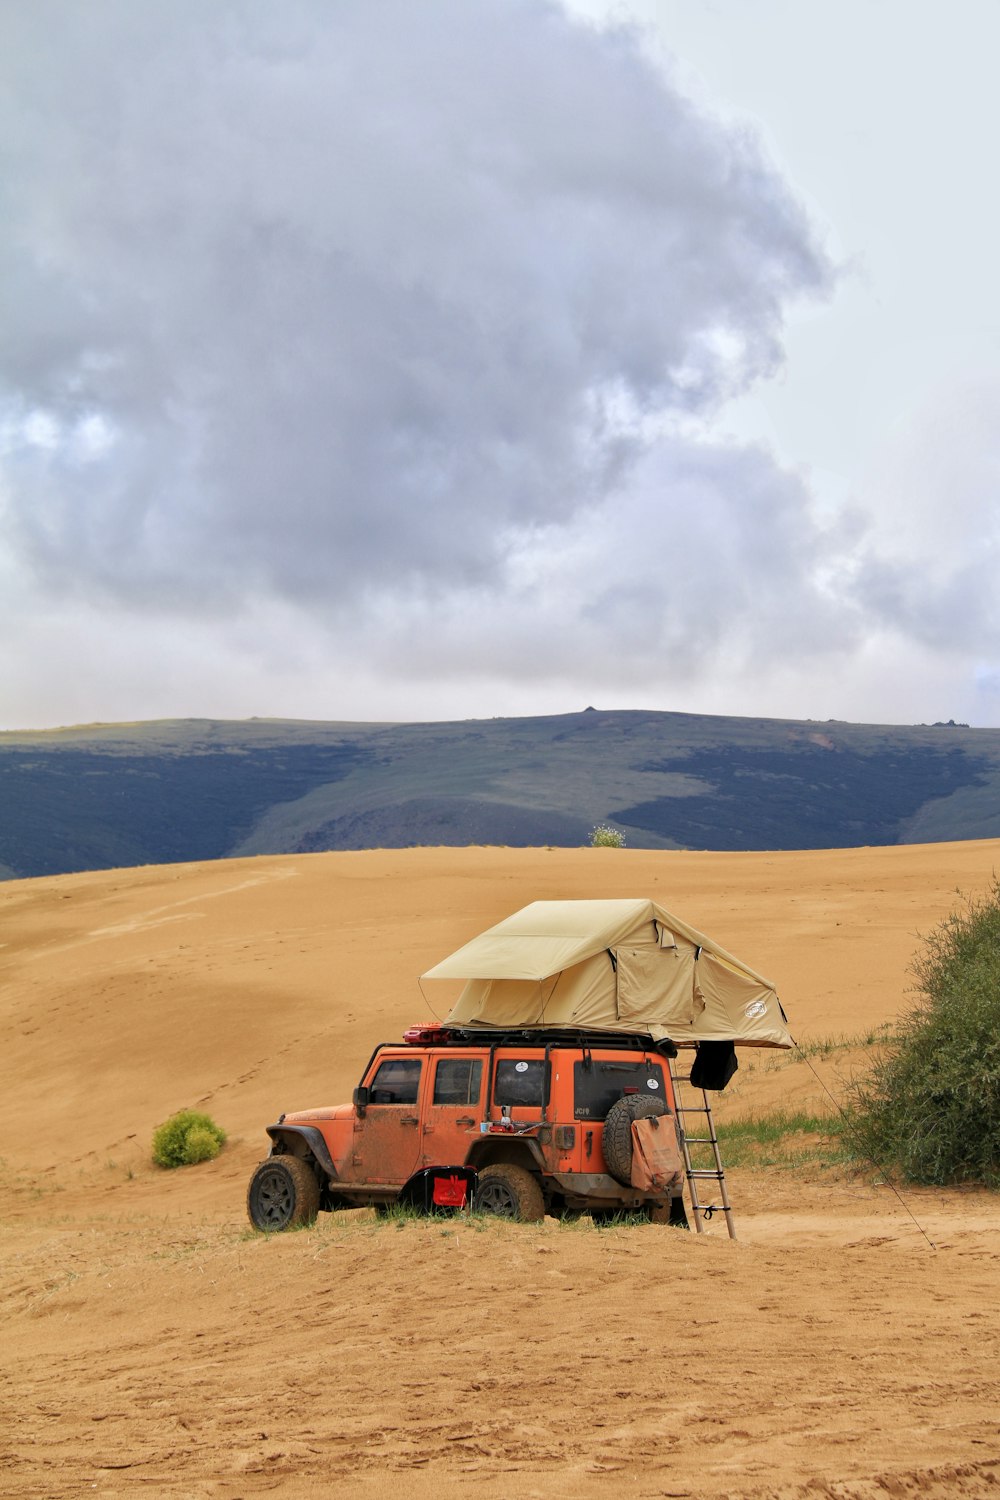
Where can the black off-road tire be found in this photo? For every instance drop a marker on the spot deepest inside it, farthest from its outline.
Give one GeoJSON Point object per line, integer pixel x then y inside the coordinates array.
{"type": "Point", "coordinates": [510, 1192]}
{"type": "Point", "coordinates": [616, 1137]}
{"type": "Point", "coordinates": [283, 1194]}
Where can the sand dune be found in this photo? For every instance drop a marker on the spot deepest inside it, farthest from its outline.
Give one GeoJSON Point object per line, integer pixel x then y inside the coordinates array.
{"type": "Point", "coordinates": [152, 1345]}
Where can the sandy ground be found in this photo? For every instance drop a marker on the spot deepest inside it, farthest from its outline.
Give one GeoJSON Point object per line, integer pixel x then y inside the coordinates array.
{"type": "Point", "coordinates": [847, 1345]}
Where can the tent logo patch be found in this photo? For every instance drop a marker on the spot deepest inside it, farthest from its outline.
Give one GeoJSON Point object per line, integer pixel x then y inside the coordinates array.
{"type": "Point", "coordinates": [756, 1008]}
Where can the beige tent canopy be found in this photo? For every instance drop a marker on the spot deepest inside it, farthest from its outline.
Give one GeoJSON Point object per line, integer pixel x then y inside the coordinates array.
{"type": "Point", "coordinates": [611, 966]}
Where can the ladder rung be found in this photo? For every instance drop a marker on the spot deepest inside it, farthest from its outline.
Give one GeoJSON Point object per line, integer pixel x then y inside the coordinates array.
{"type": "Point", "coordinates": [705, 1172]}
{"type": "Point", "coordinates": [702, 1140]}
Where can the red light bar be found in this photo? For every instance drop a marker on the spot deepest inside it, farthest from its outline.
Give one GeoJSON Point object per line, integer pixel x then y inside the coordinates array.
{"type": "Point", "coordinates": [425, 1036]}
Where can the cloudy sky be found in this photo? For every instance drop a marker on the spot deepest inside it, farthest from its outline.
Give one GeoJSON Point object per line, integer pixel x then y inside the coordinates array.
{"type": "Point", "coordinates": [389, 360]}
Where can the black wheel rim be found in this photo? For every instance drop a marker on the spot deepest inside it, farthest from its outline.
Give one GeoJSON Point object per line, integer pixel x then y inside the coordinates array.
{"type": "Point", "coordinates": [274, 1199]}
{"type": "Point", "coordinates": [497, 1198]}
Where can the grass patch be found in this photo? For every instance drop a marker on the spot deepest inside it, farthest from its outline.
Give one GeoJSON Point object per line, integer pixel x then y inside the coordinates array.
{"type": "Point", "coordinates": [828, 1046]}
{"type": "Point", "coordinates": [822, 1046]}
{"type": "Point", "coordinates": [779, 1138]}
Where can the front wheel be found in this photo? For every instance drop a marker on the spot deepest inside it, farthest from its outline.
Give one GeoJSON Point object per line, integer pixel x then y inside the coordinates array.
{"type": "Point", "coordinates": [511, 1193]}
{"type": "Point", "coordinates": [283, 1194]}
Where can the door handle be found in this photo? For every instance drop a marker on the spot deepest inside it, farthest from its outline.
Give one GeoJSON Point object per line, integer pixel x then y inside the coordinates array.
{"type": "Point", "coordinates": [408, 1120]}
{"type": "Point", "coordinates": [465, 1120]}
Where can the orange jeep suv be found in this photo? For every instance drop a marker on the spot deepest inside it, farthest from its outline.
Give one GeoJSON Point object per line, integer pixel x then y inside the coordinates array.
{"type": "Point", "coordinates": [516, 1123]}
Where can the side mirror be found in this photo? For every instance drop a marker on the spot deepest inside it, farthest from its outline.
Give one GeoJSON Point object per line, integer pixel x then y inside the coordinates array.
{"type": "Point", "coordinates": [361, 1101]}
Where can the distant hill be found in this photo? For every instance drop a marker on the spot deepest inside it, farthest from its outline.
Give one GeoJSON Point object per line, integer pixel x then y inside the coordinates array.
{"type": "Point", "coordinates": [99, 796]}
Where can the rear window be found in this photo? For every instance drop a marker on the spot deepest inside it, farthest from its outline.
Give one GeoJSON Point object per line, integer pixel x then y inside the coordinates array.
{"type": "Point", "coordinates": [521, 1081]}
{"type": "Point", "coordinates": [596, 1085]}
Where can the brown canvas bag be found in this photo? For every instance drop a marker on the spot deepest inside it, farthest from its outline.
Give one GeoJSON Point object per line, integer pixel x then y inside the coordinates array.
{"type": "Point", "coordinates": [657, 1166]}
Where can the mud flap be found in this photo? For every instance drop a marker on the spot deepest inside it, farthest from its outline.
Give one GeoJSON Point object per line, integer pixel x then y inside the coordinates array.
{"type": "Point", "coordinates": [441, 1189]}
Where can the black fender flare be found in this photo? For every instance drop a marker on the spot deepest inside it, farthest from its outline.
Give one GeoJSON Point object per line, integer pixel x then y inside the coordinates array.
{"type": "Point", "coordinates": [314, 1141]}
{"type": "Point", "coordinates": [492, 1150]}
{"type": "Point", "coordinates": [418, 1188]}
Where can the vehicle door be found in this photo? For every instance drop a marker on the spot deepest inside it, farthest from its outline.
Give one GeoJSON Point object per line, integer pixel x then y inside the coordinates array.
{"type": "Point", "coordinates": [387, 1135]}
{"type": "Point", "coordinates": [453, 1108]}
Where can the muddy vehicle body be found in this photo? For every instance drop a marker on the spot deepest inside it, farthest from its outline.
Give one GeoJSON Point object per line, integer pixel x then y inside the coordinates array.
{"type": "Point", "coordinates": [515, 1123]}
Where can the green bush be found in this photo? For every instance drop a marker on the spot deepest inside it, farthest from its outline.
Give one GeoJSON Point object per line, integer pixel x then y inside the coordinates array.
{"type": "Point", "coordinates": [930, 1105]}
{"type": "Point", "coordinates": [606, 837]}
{"type": "Point", "coordinates": [186, 1138]}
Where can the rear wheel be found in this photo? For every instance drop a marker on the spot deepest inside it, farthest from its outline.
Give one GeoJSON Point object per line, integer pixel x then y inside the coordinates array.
{"type": "Point", "coordinates": [283, 1194]}
{"type": "Point", "coordinates": [511, 1193]}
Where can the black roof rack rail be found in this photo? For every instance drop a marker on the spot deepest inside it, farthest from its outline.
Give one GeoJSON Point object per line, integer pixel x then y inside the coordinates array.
{"type": "Point", "coordinates": [552, 1036]}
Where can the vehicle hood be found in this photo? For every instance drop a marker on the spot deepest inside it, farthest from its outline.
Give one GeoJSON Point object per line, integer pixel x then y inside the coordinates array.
{"type": "Point", "coordinates": [312, 1116]}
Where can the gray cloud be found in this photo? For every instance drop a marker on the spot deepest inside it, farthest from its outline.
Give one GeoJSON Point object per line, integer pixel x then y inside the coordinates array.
{"type": "Point", "coordinates": [378, 308]}
{"type": "Point", "coordinates": [707, 560]}
{"type": "Point", "coordinates": [929, 567]}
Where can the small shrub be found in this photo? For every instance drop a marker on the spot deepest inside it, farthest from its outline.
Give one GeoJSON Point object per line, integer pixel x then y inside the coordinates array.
{"type": "Point", "coordinates": [929, 1107]}
{"type": "Point", "coordinates": [186, 1138]}
{"type": "Point", "coordinates": [603, 836]}
{"type": "Point", "coordinates": [201, 1144]}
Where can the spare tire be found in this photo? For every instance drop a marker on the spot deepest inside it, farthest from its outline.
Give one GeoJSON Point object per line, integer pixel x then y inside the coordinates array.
{"type": "Point", "coordinates": [616, 1137]}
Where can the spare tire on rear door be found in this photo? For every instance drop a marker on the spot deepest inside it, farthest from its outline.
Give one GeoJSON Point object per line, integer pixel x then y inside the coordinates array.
{"type": "Point", "coordinates": [616, 1137]}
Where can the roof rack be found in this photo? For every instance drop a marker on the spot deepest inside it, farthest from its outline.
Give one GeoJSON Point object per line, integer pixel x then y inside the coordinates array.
{"type": "Point", "coordinates": [534, 1036]}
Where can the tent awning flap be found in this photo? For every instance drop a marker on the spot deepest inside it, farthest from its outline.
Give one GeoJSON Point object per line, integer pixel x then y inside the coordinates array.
{"type": "Point", "coordinates": [611, 965]}
{"type": "Point", "coordinates": [655, 985]}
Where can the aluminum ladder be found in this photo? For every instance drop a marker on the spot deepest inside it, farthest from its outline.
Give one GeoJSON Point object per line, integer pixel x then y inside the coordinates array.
{"type": "Point", "coordinates": [702, 1212]}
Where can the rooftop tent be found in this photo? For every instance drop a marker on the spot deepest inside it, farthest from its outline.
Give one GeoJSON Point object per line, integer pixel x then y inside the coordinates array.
{"type": "Point", "coordinates": [611, 966]}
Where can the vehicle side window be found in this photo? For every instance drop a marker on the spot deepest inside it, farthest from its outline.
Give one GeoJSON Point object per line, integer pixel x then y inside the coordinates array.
{"type": "Point", "coordinates": [458, 1080]}
{"type": "Point", "coordinates": [520, 1081]}
{"type": "Point", "coordinates": [396, 1082]}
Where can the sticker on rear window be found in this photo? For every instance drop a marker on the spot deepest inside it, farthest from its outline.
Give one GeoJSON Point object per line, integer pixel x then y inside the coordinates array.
{"type": "Point", "coordinates": [652, 1083]}
{"type": "Point", "coordinates": [521, 1067]}
{"type": "Point", "coordinates": [756, 1008]}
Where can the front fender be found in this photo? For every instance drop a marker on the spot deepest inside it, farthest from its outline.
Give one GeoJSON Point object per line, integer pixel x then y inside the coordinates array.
{"type": "Point", "coordinates": [312, 1139]}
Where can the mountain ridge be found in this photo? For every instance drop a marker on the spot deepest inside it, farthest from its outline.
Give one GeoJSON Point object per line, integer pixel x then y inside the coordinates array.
{"type": "Point", "coordinates": [103, 795]}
